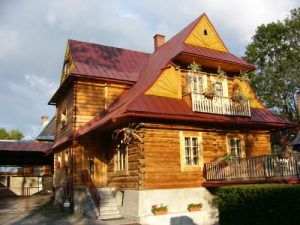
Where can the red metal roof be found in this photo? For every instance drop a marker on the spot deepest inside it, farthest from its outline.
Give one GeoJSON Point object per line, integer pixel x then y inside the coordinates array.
{"type": "Point", "coordinates": [105, 61]}
{"type": "Point", "coordinates": [177, 108]}
{"type": "Point", "coordinates": [220, 56]}
{"type": "Point", "coordinates": [20, 146]}
{"type": "Point", "coordinates": [135, 103]}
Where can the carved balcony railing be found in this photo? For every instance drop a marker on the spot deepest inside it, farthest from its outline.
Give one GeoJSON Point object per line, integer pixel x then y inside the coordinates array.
{"type": "Point", "coordinates": [258, 167]}
{"type": "Point", "coordinates": [220, 105]}
{"type": "Point", "coordinates": [89, 184]}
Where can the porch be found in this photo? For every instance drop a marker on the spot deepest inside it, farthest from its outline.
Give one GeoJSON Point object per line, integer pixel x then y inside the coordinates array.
{"type": "Point", "coordinates": [252, 170]}
{"type": "Point", "coordinates": [220, 105]}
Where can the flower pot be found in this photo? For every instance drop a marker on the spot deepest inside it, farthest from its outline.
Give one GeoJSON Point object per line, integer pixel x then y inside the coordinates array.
{"type": "Point", "coordinates": [193, 209]}
{"type": "Point", "coordinates": [161, 212]}
{"type": "Point", "coordinates": [209, 95]}
{"type": "Point", "coordinates": [285, 155]}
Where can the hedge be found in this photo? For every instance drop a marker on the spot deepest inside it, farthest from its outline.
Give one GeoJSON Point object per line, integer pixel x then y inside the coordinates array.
{"type": "Point", "coordinates": [263, 204]}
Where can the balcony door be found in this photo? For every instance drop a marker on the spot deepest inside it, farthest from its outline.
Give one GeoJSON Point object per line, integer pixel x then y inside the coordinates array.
{"type": "Point", "coordinates": [197, 84]}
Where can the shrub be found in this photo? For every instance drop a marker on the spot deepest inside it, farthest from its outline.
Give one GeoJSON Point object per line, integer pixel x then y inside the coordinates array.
{"type": "Point", "coordinates": [264, 204]}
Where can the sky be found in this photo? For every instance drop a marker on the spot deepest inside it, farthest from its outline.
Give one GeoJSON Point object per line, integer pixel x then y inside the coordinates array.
{"type": "Point", "coordinates": [33, 37]}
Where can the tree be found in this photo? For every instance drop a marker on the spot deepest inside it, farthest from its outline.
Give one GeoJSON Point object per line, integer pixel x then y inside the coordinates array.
{"type": "Point", "coordinates": [14, 134]}
{"type": "Point", "coordinates": [275, 50]}
{"type": "Point", "coordinates": [3, 134]}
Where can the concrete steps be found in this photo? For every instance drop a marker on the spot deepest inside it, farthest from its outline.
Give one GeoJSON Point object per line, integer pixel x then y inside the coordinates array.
{"type": "Point", "coordinates": [108, 206]}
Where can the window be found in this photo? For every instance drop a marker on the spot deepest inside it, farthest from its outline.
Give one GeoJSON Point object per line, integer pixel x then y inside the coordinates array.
{"type": "Point", "coordinates": [235, 146]}
{"type": "Point", "coordinates": [205, 32]}
{"type": "Point", "coordinates": [191, 151]}
{"type": "Point", "coordinates": [219, 88]}
{"type": "Point", "coordinates": [196, 84]}
{"type": "Point", "coordinates": [63, 119]}
{"type": "Point", "coordinates": [121, 159]}
{"type": "Point", "coordinates": [66, 67]}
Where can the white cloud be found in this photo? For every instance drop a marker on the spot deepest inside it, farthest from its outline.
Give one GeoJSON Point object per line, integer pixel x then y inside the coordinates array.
{"type": "Point", "coordinates": [40, 84]}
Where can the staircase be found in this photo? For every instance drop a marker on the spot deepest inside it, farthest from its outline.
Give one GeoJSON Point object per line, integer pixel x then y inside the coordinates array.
{"type": "Point", "coordinates": [103, 200]}
{"type": "Point", "coordinates": [108, 205]}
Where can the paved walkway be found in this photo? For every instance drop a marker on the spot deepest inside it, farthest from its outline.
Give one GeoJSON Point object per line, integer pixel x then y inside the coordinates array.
{"type": "Point", "coordinates": [39, 210]}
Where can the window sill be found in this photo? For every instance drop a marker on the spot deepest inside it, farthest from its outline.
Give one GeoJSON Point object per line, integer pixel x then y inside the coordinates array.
{"type": "Point", "coordinates": [121, 173]}
{"type": "Point", "coordinates": [191, 168]}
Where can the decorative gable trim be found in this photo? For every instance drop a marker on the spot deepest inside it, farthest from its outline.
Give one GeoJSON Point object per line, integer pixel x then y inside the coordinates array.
{"type": "Point", "coordinates": [168, 84]}
{"type": "Point", "coordinates": [68, 66]}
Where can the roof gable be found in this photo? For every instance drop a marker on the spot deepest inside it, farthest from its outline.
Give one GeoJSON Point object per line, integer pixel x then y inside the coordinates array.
{"type": "Point", "coordinates": [205, 35]}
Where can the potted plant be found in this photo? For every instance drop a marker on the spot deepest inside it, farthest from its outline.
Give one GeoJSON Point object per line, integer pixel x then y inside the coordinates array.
{"type": "Point", "coordinates": [287, 153]}
{"type": "Point", "coordinates": [238, 97]}
{"type": "Point", "coordinates": [221, 74]}
{"type": "Point", "coordinates": [226, 160]}
{"type": "Point", "coordinates": [194, 207]}
{"type": "Point", "coordinates": [159, 210]}
{"type": "Point", "coordinates": [210, 93]}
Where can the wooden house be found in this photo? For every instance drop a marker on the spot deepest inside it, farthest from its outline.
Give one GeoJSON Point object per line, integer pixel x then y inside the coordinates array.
{"type": "Point", "coordinates": [151, 128]}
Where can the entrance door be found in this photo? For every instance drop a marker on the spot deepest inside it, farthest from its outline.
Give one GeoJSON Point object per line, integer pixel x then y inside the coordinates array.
{"type": "Point", "coordinates": [98, 169]}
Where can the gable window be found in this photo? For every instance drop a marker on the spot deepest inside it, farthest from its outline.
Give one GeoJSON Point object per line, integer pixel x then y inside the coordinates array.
{"type": "Point", "coordinates": [66, 67]}
{"type": "Point", "coordinates": [121, 159]}
{"type": "Point", "coordinates": [191, 151]}
{"type": "Point", "coordinates": [235, 146]}
{"type": "Point", "coordinates": [205, 32]}
{"type": "Point", "coordinates": [63, 119]}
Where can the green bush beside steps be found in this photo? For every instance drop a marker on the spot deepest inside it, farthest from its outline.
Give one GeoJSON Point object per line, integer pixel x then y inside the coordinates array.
{"type": "Point", "coordinates": [262, 204]}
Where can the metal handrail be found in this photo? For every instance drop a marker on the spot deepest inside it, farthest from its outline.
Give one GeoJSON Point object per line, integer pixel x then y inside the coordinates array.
{"type": "Point", "coordinates": [257, 167]}
{"type": "Point", "coordinates": [89, 184]}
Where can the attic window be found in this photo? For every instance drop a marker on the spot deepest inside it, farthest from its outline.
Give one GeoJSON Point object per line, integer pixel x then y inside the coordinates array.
{"type": "Point", "coordinates": [66, 67]}
{"type": "Point", "coordinates": [205, 32]}
{"type": "Point", "coordinates": [63, 118]}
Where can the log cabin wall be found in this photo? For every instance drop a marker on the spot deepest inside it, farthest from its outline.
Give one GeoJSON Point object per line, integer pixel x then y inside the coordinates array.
{"type": "Point", "coordinates": [161, 161]}
{"type": "Point", "coordinates": [92, 98]}
{"type": "Point", "coordinates": [131, 178]}
{"type": "Point", "coordinates": [66, 104]}
{"type": "Point", "coordinates": [161, 165]}
{"type": "Point", "coordinates": [89, 155]}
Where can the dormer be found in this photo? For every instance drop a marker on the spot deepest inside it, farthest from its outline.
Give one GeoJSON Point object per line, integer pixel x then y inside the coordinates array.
{"type": "Point", "coordinates": [205, 75]}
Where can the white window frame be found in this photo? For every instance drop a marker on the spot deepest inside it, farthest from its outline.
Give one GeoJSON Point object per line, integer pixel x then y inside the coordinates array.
{"type": "Point", "coordinates": [183, 165]}
{"type": "Point", "coordinates": [214, 79]}
{"type": "Point", "coordinates": [235, 150]}
{"type": "Point", "coordinates": [198, 76]}
{"type": "Point", "coordinates": [242, 144]}
{"type": "Point", "coordinates": [121, 160]}
{"type": "Point", "coordinates": [191, 147]}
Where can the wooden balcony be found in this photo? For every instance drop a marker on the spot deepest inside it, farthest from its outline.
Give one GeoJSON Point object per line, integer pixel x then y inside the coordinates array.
{"type": "Point", "coordinates": [220, 105]}
{"type": "Point", "coordinates": [259, 169]}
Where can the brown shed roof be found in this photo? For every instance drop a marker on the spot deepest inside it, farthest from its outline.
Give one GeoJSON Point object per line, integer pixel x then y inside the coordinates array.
{"type": "Point", "coordinates": [24, 146]}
